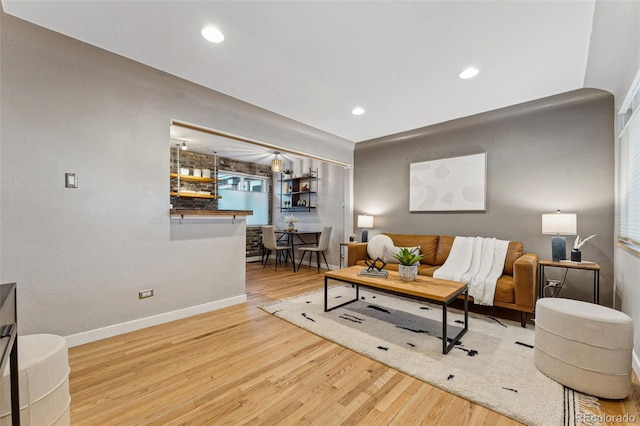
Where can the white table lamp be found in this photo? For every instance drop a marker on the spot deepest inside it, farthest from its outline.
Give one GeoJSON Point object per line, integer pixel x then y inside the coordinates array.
{"type": "Point", "coordinates": [365, 221]}
{"type": "Point", "coordinates": [559, 224]}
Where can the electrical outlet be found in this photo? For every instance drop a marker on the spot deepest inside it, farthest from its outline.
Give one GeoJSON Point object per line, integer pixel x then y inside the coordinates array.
{"type": "Point", "coordinates": [143, 294]}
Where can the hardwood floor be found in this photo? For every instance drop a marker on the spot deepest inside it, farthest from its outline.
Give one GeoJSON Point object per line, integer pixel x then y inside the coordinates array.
{"type": "Point", "coordinates": [240, 365]}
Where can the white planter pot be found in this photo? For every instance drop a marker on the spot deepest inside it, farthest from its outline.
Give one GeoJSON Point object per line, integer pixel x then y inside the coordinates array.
{"type": "Point", "coordinates": [408, 273]}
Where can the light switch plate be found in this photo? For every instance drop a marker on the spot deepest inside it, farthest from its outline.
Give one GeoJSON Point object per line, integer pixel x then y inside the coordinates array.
{"type": "Point", "coordinates": [70, 180]}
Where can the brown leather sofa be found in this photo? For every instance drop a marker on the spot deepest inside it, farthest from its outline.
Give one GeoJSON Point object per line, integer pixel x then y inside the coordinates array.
{"type": "Point", "coordinates": [516, 289]}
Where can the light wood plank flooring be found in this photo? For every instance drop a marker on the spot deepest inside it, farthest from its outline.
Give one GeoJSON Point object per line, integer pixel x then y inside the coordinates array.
{"type": "Point", "coordinates": [240, 365]}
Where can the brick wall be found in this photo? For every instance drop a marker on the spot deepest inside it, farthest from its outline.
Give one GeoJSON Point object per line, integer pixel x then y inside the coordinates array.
{"type": "Point", "coordinates": [254, 236]}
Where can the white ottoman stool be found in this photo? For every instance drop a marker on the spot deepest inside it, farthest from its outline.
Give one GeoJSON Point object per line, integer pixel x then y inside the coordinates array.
{"type": "Point", "coordinates": [43, 362]}
{"type": "Point", "coordinates": [584, 346]}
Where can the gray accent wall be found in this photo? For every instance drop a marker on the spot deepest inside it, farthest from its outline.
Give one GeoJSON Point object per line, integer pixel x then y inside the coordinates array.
{"type": "Point", "coordinates": [548, 154]}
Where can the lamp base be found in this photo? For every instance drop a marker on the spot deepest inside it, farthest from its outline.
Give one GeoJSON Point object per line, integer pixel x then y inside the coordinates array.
{"type": "Point", "coordinates": [558, 248]}
{"type": "Point", "coordinates": [364, 236]}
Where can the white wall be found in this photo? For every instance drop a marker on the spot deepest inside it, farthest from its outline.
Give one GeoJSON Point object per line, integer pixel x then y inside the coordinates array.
{"type": "Point", "coordinates": [614, 60]}
{"type": "Point", "coordinates": [331, 207]}
{"type": "Point", "coordinates": [614, 51]}
{"type": "Point", "coordinates": [80, 256]}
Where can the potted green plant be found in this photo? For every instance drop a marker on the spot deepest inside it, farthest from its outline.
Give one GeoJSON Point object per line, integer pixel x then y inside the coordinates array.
{"type": "Point", "coordinates": [408, 268]}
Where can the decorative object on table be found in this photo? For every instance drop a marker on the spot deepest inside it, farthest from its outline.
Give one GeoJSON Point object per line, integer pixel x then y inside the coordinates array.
{"type": "Point", "coordinates": [364, 221]}
{"type": "Point", "coordinates": [375, 268]}
{"type": "Point", "coordinates": [305, 188]}
{"type": "Point", "coordinates": [559, 224]}
{"type": "Point", "coordinates": [352, 237]}
{"type": "Point", "coordinates": [576, 254]}
{"type": "Point", "coordinates": [373, 264]}
{"type": "Point", "coordinates": [449, 184]}
{"type": "Point", "coordinates": [290, 220]}
{"type": "Point", "coordinates": [287, 173]}
{"type": "Point", "coordinates": [409, 259]}
{"type": "Point", "coordinates": [505, 380]}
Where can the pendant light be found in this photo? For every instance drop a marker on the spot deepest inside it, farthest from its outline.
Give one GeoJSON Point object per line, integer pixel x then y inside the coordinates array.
{"type": "Point", "coordinates": [276, 163]}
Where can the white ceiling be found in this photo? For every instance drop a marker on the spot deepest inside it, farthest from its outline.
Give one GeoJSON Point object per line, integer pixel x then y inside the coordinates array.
{"type": "Point", "coordinates": [314, 61]}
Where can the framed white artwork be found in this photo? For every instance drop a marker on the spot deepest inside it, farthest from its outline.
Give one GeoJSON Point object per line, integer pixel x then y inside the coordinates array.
{"type": "Point", "coordinates": [449, 184]}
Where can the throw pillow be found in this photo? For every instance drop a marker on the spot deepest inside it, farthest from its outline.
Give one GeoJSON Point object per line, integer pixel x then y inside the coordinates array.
{"type": "Point", "coordinates": [389, 251]}
{"type": "Point", "coordinates": [375, 246]}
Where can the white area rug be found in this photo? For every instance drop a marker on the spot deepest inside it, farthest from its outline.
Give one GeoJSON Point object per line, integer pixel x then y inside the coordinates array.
{"type": "Point", "coordinates": [492, 366]}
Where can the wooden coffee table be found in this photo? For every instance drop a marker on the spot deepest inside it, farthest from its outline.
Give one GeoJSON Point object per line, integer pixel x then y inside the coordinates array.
{"type": "Point", "coordinates": [441, 292]}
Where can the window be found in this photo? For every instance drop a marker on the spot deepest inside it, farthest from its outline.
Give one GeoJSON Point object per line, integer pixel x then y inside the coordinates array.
{"type": "Point", "coordinates": [629, 171]}
{"type": "Point", "coordinates": [245, 192]}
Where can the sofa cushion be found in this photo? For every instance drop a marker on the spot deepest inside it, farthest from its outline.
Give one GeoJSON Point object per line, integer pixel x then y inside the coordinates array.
{"type": "Point", "coordinates": [504, 290]}
{"type": "Point", "coordinates": [428, 245]}
{"type": "Point", "coordinates": [427, 270]}
{"type": "Point", "coordinates": [390, 251]}
{"type": "Point", "coordinates": [514, 251]}
{"type": "Point", "coordinates": [445, 242]}
{"type": "Point", "coordinates": [375, 246]}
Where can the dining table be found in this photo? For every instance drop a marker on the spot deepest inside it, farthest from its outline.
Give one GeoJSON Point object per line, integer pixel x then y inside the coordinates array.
{"type": "Point", "coordinates": [296, 238]}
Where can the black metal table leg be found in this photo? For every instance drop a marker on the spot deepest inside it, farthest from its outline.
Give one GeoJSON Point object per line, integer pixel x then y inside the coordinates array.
{"type": "Point", "coordinates": [326, 295]}
{"type": "Point", "coordinates": [446, 347]}
{"type": "Point", "coordinates": [596, 287]}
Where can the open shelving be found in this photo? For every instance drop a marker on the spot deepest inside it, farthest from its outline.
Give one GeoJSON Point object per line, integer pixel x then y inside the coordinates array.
{"type": "Point", "coordinates": [293, 197]}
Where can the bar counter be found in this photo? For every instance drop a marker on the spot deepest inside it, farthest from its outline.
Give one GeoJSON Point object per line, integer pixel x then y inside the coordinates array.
{"type": "Point", "coordinates": [185, 213]}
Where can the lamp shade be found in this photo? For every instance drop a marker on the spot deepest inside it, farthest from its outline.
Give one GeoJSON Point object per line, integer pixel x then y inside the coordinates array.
{"type": "Point", "coordinates": [276, 165]}
{"type": "Point", "coordinates": [365, 221]}
{"type": "Point", "coordinates": [559, 223]}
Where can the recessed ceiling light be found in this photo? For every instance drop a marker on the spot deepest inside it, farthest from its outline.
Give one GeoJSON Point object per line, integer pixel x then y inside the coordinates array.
{"type": "Point", "coordinates": [469, 73]}
{"type": "Point", "coordinates": [212, 34]}
{"type": "Point", "coordinates": [357, 111]}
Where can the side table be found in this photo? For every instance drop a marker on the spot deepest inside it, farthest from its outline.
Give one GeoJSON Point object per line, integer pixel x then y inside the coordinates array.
{"type": "Point", "coordinates": [345, 245]}
{"type": "Point", "coordinates": [585, 266]}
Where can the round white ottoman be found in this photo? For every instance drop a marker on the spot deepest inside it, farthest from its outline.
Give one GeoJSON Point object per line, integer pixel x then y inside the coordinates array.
{"type": "Point", "coordinates": [43, 365]}
{"type": "Point", "coordinates": [584, 346]}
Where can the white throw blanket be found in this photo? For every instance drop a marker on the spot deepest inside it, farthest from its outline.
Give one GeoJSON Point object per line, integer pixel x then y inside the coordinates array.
{"type": "Point", "coordinates": [477, 262]}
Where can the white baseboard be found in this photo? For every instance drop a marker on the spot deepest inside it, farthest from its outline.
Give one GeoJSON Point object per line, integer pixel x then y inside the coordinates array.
{"type": "Point", "coordinates": [129, 326]}
{"type": "Point", "coordinates": [635, 363]}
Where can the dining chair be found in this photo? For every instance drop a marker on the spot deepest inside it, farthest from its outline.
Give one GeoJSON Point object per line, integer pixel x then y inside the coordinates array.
{"type": "Point", "coordinates": [323, 244]}
{"type": "Point", "coordinates": [270, 244]}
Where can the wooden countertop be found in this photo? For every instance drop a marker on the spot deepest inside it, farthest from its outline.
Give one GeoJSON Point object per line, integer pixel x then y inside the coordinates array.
{"type": "Point", "coordinates": [209, 213]}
